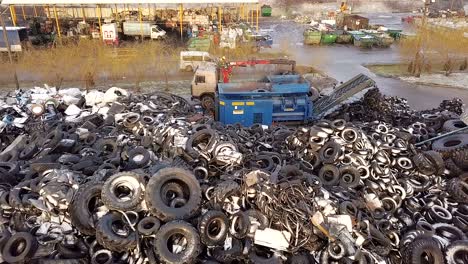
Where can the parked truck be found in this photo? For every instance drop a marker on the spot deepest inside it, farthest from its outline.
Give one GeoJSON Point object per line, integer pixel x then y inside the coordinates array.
{"type": "Point", "coordinates": [110, 34]}
{"type": "Point", "coordinates": [145, 29]}
{"type": "Point", "coordinates": [17, 38]}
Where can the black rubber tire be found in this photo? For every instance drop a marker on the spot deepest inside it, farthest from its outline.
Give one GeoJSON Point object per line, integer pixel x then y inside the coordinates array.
{"type": "Point", "coordinates": [78, 251]}
{"type": "Point", "coordinates": [337, 250]}
{"type": "Point", "coordinates": [329, 175]}
{"type": "Point", "coordinates": [184, 229]}
{"type": "Point", "coordinates": [106, 236]}
{"type": "Point", "coordinates": [451, 143]}
{"type": "Point", "coordinates": [264, 162]}
{"type": "Point", "coordinates": [63, 261]}
{"type": "Point", "coordinates": [348, 208]}
{"type": "Point", "coordinates": [4, 237]}
{"type": "Point", "coordinates": [453, 124]}
{"type": "Point", "coordinates": [210, 218]}
{"type": "Point", "coordinates": [290, 172]}
{"type": "Point", "coordinates": [460, 158]}
{"type": "Point", "coordinates": [349, 177]}
{"type": "Point", "coordinates": [454, 170]}
{"type": "Point", "coordinates": [260, 217]}
{"type": "Point", "coordinates": [148, 226]}
{"type": "Point", "coordinates": [81, 217]}
{"type": "Point", "coordinates": [213, 139]}
{"type": "Point", "coordinates": [255, 258]}
{"type": "Point", "coordinates": [457, 252]}
{"type": "Point", "coordinates": [132, 182]}
{"type": "Point", "coordinates": [227, 256]}
{"type": "Point", "coordinates": [330, 152]}
{"type": "Point", "coordinates": [443, 230]}
{"type": "Point", "coordinates": [299, 259]}
{"type": "Point", "coordinates": [240, 228]}
{"type": "Point", "coordinates": [9, 251]}
{"type": "Point", "coordinates": [440, 214]}
{"type": "Point", "coordinates": [192, 194]}
{"type": "Point", "coordinates": [437, 161]}
{"type": "Point", "coordinates": [137, 153]}
{"type": "Point", "coordinates": [28, 151]}
{"type": "Point", "coordinates": [106, 147]}
{"type": "Point", "coordinates": [223, 190]}
{"type": "Point", "coordinates": [423, 164]}
{"type": "Point", "coordinates": [423, 246]}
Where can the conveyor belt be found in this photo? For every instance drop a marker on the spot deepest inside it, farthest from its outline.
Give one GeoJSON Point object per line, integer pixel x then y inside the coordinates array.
{"type": "Point", "coordinates": [356, 85]}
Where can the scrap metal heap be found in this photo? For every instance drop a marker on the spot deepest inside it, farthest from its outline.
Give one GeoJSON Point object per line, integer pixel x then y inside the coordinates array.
{"type": "Point", "coordinates": [119, 178]}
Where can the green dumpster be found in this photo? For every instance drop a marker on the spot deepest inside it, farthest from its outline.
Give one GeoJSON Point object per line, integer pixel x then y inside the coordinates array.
{"type": "Point", "coordinates": [266, 11]}
{"type": "Point", "coordinates": [328, 38]}
{"type": "Point", "coordinates": [312, 37]}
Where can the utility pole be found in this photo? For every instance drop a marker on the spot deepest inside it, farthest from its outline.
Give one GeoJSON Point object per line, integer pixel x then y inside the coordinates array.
{"type": "Point", "coordinates": [10, 56]}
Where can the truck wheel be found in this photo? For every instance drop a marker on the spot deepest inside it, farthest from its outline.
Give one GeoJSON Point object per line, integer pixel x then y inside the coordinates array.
{"type": "Point", "coordinates": [189, 68]}
{"type": "Point", "coordinates": [207, 102]}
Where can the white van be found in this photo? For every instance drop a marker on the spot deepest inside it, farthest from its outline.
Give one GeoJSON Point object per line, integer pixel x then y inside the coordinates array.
{"type": "Point", "coordinates": [191, 60]}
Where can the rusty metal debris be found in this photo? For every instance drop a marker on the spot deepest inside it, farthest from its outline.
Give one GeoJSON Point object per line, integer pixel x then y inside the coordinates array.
{"type": "Point", "coordinates": [114, 177]}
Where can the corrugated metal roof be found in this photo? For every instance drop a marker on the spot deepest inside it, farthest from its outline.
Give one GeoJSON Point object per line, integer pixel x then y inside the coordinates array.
{"type": "Point", "coordinates": [112, 2]}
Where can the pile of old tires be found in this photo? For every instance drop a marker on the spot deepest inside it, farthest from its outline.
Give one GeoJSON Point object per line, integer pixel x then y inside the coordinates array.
{"type": "Point", "coordinates": [145, 179]}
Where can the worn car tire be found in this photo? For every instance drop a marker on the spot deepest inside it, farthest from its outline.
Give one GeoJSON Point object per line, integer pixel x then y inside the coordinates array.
{"type": "Point", "coordinates": [148, 225]}
{"type": "Point", "coordinates": [450, 143]}
{"type": "Point", "coordinates": [128, 184]}
{"type": "Point", "coordinates": [457, 252]}
{"type": "Point", "coordinates": [138, 157]}
{"type": "Point", "coordinates": [460, 158]}
{"type": "Point", "coordinates": [205, 134]}
{"type": "Point", "coordinates": [191, 193]}
{"type": "Point", "coordinates": [330, 152]}
{"type": "Point", "coordinates": [437, 161]}
{"type": "Point", "coordinates": [240, 228]}
{"type": "Point", "coordinates": [349, 177]}
{"type": "Point", "coordinates": [227, 256]}
{"type": "Point", "coordinates": [329, 175]}
{"type": "Point", "coordinates": [109, 239]}
{"type": "Point", "coordinates": [19, 248]}
{"type": "Point", "coordinates": [453, 124]}
{"type": "Point", "coordinates": [213, 228]}
{"type": "Point", "coordinates": [181, 228]}
{"type": "Point", "coordinates": [256, 258]}
{"type": "Point", "coordinates": [81, 217]}
{"type": "Point", "coordinates": [424, 246]}
{"type": "Point", "coordinates": [453, 169]}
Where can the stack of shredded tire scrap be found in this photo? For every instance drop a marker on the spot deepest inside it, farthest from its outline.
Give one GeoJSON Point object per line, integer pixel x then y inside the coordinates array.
{"type": "Point", "coordinates": [111, 177]}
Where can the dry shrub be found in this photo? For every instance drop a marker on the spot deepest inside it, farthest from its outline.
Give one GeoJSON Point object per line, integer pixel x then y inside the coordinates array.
{"type": "Point", "coordinates": [437, 45]}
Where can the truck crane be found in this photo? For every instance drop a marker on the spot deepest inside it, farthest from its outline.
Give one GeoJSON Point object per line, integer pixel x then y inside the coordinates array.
{"type": "Point", "coordinates": [276, 98]}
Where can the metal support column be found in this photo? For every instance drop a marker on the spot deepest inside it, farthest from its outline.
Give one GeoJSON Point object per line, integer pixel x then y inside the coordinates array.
{"type": "Point", "coordinates": [13, 14]}
{"type": "Point", "coordinates": [220, 19]}
{"type": "Point", "coordinates": [10, 56]}
{"type": "Point", "coordinates": [24, 13]}
{"type": "Point", "coordinates": [48, 12]}
{"type": "Point", "coordinates": [258, 11]}
{"type": "Point", "coordinates": [140, 20]}
{"type": "Point", "coordinates": [251, 15]}
{"type": "Point", "coordinates": [181, 11]}
{"type": "Point", "coordinates": [57, 23]}
{"type": "Point", "coordinates": [83, 14]}
{"type": "Point", "coordinates": [243, 12]}
{"type": "Point", "coordinates": [99, 21]}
